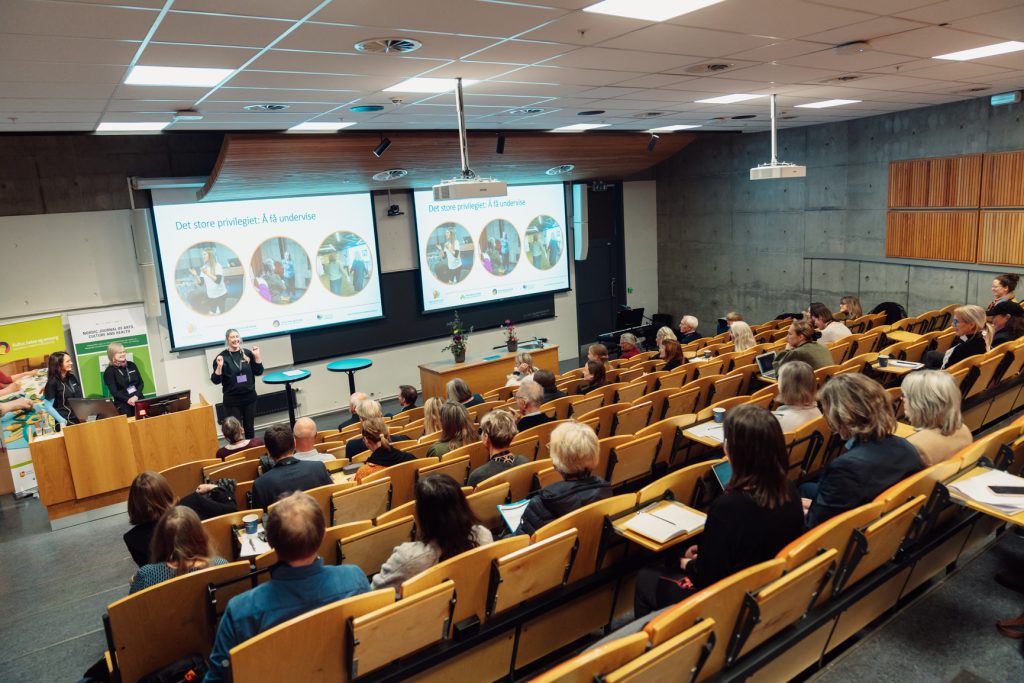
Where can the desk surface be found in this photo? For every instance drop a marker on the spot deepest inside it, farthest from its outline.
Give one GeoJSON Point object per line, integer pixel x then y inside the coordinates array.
{"type": "Point", "coordinates": [892, 369]}
{"type": "Point", "coordinates": [482, 359]}
{"type": "Point", "coordinates": [482, 372]}
{"type": "Point", "coordinates": [650, 544]}
{"type": "Point", "coordinates": [1017, 519]}
{"type": "Point", "coordinates": [702, 439]}
{"type": "Point", "coordinates": [349, 364]}
{"type": "Point", "coordinates": [903, 336]}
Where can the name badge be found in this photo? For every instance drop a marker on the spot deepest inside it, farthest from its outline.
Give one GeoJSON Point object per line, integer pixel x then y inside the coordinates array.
{"type": "Point", "coordinates": [242, 379]}
{"type": "Point", "coordinates": [131, 389]}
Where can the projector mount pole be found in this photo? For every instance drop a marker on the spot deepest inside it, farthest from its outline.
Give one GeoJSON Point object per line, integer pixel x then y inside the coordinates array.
{"type": "Point", "coordinates": [467, 172]}
{"type": "Point", "coordinates": [775, 156]}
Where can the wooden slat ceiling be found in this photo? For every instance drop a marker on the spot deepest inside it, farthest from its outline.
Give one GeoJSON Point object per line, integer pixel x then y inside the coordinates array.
{"type": "Point", "coordinates": [282, 165]}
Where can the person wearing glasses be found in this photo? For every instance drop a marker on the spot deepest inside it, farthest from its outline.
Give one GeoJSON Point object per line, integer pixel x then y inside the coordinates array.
{"type": "Point", "coordinates": [971, 338]}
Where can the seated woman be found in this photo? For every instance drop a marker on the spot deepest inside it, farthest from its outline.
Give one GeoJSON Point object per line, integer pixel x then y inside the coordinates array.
{"type": "Point", "coordinates": [628, 346]}
{"type": "Point", "coordinates": [1007, 322]}
{"type": "Point", "coordinates": [497, 429]}
{"type": "Point", "coordinates": [594, 376]}
{"type": "Point", "coordinates": [742, 336]}
{"type": "Point", "coordinates": [672, 354]}
{"type": "Point", "coordinates": [757, 516]}
{"type": "Point", "coordinates": [458, 391]}
{"type": "Point", "coordinates": [375, 436]}
{"type": "Point", "coordinates": [432, 415]}
{"type": "Point", "coordinates": [822, 319]}
{"type": "Point", "coordinates": [523, 370]}
{"type": "Point", "coordinates": [234, 434]}
{"type": "Point", "coordinates": [849, 309]}
{"type": "Point", "coordinates": [445, 527]}
{"type": "Point", "coordinates": [574, 452]}
{"type": "Point", "coordinates": [800, 345]}
{"type": "Point", "coordinates": [798, 393]}
{"type": "Point", "coordinates": [663, 334]}
{"type": "Point", "coordinates": [858, 409]}
{"type": "Point", "coordinates": [969, 324]}
{"type": "Point", "coordinates": [931, 400]}
{"type": "Point", "coordinates": [457, 430]}
{"type": "Point", "coordinates": [1002, 289]}
{"type": "Point", "coordinates": [180, 545]}
{"type": "Point", "coordinates": [546, 380]}
{"type": "Point", "coordinates": [149, 497]}
{"type": "Point", "coordinates": [599, 353]}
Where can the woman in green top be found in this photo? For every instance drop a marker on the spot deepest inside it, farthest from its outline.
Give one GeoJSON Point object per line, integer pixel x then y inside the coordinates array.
{"type": "Point", "coordinates": [456, 430]}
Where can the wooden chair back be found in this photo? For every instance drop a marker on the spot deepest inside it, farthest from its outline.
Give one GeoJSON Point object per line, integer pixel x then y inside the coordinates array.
{"type": "Point", "coordinates": [403, 478]}
{"type": "Point", "coordinates": [456, 468]}
{"type": "Point", "coordinates": [858, 362]}
{"type": "Point", "coordinates": [161, 624]}
{"type": "Point", "coordinates": [253, 453]}
{"type": "Point", "coordinates": [876, 543]}
{"type": "Point", "coordinates": [585, 405]}
{"type": "Point", "coordinates": [417, 449]}
{"type": "Point", "coordinates": [746, 374]}
{"type": "Point", "coordinates": [243, 497]}
{"type": "Point", "coordinates": [669, 430]}
{"type": "Point", "coordinates": [841, 350]}
{"type": "Point", "coordinates": [520, 479]}
{"type": "Point", "coordinates": [571, 386]}
{"type": "Point", "coordinates": [684, 402]}
{"type": "Point", "coordinates": [674, 379]}
{"type": "Point", "coordinates": [549, 476]}
{"type": "Point", "coordinates": [221, 534]}
{"type": "Point", "coordinates": [944, 341]}
{"type": "Point", "coordinates": [531, 571]}
{"type": "Point", "coordinates": [242, 470]}
{"type": "Point", "coordinates": [806, 448]}
{"type": "Point", "coordinates": [322, 496]}
{"type": "Point", "coordinates": [527, 447]}
{"type": "Point", "coordinates": [559, 408]}
{"type": "Point", "coordinates": [821, 375]}
{"type": "Point", "coordinates": [397, 630]}
{"type": "Point", "coordinates": [325, 434]}
{"type": "Point", "coordinates": [763, 401]}
{"type": "Point", "coordinates": [633, 460]}
{"type": "Point", "coordinates": [542, 433]}
{"type": "Point", "coordinates": [479, 410]}
{"type": "Point", "coordinates": [369, 549]}
{"type": "Point", "coordinates": [919, 484]}
{"type": "Point", "coordinates": [651, 380]}
{"type": "Point", "coordinates": [916, 350]}
{"type": "Point", "coordinates": [332, 534]}
{"type": "Point", "coordinates": [412, 430]}
{"type": "Point", "coordinates": [705, 385]}
{"type": "Point", "coordinates": [501, 393]}
{"type": "Point", "coordinates": [184, 478]}
{"type": "Point", "coordinates": [632, 391]}
{"type": "Point", "coordinates": [679, 485]}
{"type": "Point", "coordinates": [597, 663]}
{"type": "Point", "coordinates": [657, 400]}
{"type": "Point", "coordinates": [607, 392]}
{"type": "Point", "coordinates": [711, 367]}
{"type": "Point", "coordinates": [476, 452]}
{"type": "Point", "coordinates": [571, 374]}
{"type": "Point", "coordinates": [727, 387]}
{"type": "Point", "coordinates": [605, 416]}
{"type": "Point", "coordinates": [604, 453]}
{"type": "Point", "coordinates": [589, 524]}
{"type": "Point", "coordinates": [630, 375]}
{"type": "Point", "coordinates": [484, 505]}
{"type": "Point", "coordinates": [772, 391]}
{"type": "Point", "coordinates": [987, 366]}
{"type": "Point", "coordinates": [632, 419]}
{"type": "Point", "coordinates": [365, 501]}
{"type": "Point", "coordinates": [683, 654]}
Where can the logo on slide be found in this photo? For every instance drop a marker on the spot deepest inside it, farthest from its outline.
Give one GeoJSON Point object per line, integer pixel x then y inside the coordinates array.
{"type": "Point", "coordinates": [277, 323]}
{"type": "Point", "coordinates": [4, 348]}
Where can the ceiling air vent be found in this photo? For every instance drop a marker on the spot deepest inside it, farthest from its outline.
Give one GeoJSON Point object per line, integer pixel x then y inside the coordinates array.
{"type": "Point", "coordinates": [843, 79]}
{"type": "Point", "coordinates": [388, 46]}
{"type": "Point", "coordinates": [709, 68]}
{"type": "Point", "coordinates": [390, 174]}
{"type": "Point", "coordinates": [560, 170]}
{"type": "Point", "coordinates": [266, 107]}
{"type": "Point", "coordinates": [649, 114]}
{"type": "Point", "coordinates": [525, 112]}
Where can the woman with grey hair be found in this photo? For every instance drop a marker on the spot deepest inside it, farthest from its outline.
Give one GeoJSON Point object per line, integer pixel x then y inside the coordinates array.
{"type": "Point", "coordinates": [798, 393]}
{"type": "Point", "coordinates": [932, 403]}
{"type": "Point", "coordinates": [123, 379]}
{"type": "Point", "coordinates": [628, 345]}
{"type": "Point", "coordinates": [458, 391]}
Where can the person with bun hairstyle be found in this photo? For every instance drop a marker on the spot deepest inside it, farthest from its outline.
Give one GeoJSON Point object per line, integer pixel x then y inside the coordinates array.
{"type": "Point", "coordinates": [180, 545]}
{"type": "Point", "coordinates": [1003, 287]}
{"type": "Point", "coordinates": [236, 370]}
{"type": "Point", "coordinates": [382, 454]}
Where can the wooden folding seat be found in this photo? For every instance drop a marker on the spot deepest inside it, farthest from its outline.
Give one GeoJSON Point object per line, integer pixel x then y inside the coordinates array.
{"type": "Point", "coordinates": [589, 523]}
{"type": "Point", "coordinates": [500, 394]}
{"type": "Point", "coordinates": [365, 501]}
{"type": "Point", "coordinates": [531, 571]}
{"type": "Point", "coordinates": [771, 391]}
{"type": "Point", "coordinates": [314, 642]}
{"type": "Point", "coordinates": [325, 434]}
{"type": "Point", "coordinates": [727, 357]}
{"type": "Point", "coordinates": [528, 447]}
{"type": "Point", "coordinates": [479, 410]}
{"type": "Point", "coordinates": [680, 658]}
{"type": "Point", "coordinates": [476, 452]}
{"type": "Point", "coordinates": [586, 404]}
{"type": "Point", "coordinates": [559, 408]}
{"type": "Point", "coordinates": [633, 460]}
{"type": "Point", "coordinates": [542, 433]}
{"type": "Point", "coordinates": [693, 346]}
{"type": "Point", "coordinates": [605, 416]}
{"type": "Point", "coordinates": [677, 378]}
{"type": "Point", "coordinates": [720, 602]}
{"type": "Point", "coordinates": [987, 366]}
{"type": "Point", "coordinates": [184, 478]}
{"type": "Point", "coordinates": [840, 350]}
{"type": "Point", "coordinates": [597, 663]}
{"type": "Point", "coordinates": [398, 630]}
{"type": "Point", "coordinates": [632, 419]}
{"type": "Point", "coordinates": [746, 374]}
{"type": "Point", "coordinates": [221, 534]}
{"type": "Point", "coordinates": [657, 400]}
{"type": "Point", "coordinates": [727, 387]}
{"type": "Point", "coordinates": [243, 494]}
{"type": "Point", "coordinates": [322, 495]}
{"type": "Point", "coordinates": [805, 447]}
{"type": "Point", "coordinates": [519, 478]}
{"type": "Point", "coordinates": [681, 484]}
{"type": "Point", "coordinates": [161, 624]}
{"type": "Point", "coordinates": [631, 392]}
{"type": "Point", "coordinates": [896, 400]}
{"type": "Point", "coordinates": [604, 452]}
{"type": "Point", "coordinates": [333, 534]}
{"type": "Point", "coordinates": [857, 325]}
{"type": "Point", "coordinates": [369, 549]}
{"type": "Point", "coordinates": [547, 477]}
{"type": "Point", "coordinates": [612, 375]}
{"type": "Point", "coordinates": [763, 401]}
{"type": "Point", "coordinates": [821, 375]}
{"type": "Point", "coordinates": [242, 470]}
{"type": "Point", "coordinates": [253, 453]}
{"type": "Point", "coordinates": [711, 367]}
{"type": "Point", "coordinates": [765, 335]}
{"type": "Point", "coordinates": [630, 375]}
{"type": "Point", "coordinates": [607, 392]}
{"type": "Point", "coordinates": [922, 483]}
{"type": "Point", "coordinates": [651, 380]}
{"type": "Point", "coordinates": [705, 386]}
{"type": "Point", "coordinates": [896, 350]}
{"type": "Point", "coordinates": [669, 429]}
{"type": "Point", "coordinates": [404, 510]}
{"type": "Point", "coordinates": [484, 505]}
{"type": "Point", "coordinates": [456, 468]}
{"type": "Point", "coordinates": [875, 544]}
{"type": "Point", "coordinates": [571, 386]}
{"type": "Point", "coordinates": [398, 421]}
{"type": "Point", "coordinates": [942, 342]}
{"type": "Point", "coordinates": [915, 351]}
{"type": "Point", "coordinates": [403, 478]}
{"type": "Point", "coordinates": [413, 430]}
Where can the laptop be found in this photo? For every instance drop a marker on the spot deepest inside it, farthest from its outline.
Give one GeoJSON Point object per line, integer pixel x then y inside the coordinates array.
{"type": "Point", "coordinates": [723, 473]}
{"type": "Point", "coordinates": [90, 409]}
{"type": "Point", "coordinates": [764, 364]}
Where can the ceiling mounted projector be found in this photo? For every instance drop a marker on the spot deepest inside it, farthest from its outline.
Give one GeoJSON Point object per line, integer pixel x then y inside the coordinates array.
{"type": "Point", "coordinates": [468, 184]}
{"type": "Point", "coordinates": [775, 169]}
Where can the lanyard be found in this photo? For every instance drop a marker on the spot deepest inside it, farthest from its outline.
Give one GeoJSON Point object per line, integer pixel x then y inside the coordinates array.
{"type": "Point", "coordinates": [237, 364]}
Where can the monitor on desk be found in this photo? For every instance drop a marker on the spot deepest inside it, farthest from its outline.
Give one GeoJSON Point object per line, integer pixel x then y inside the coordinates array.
{"type": "Point", "coordinates": [166, 403]}
{"type": "Point", "coordinates": [628, 318]}
{"type": "Point", "coordinates": [91, 409]}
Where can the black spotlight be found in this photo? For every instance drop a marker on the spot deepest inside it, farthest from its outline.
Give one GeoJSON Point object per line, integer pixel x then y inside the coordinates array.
{"type": "Point", "coordinates": [652, 143]}
{"type": "Point", "coordinates": [382, 147]}
{"type": "Point", "coordinates": [500, 147]}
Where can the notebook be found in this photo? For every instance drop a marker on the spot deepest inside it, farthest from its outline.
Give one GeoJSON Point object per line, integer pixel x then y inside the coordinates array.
{"type": "Point", "coordinates": [668, 521]}
{"type": "Point", "coordinates": [764, 364]}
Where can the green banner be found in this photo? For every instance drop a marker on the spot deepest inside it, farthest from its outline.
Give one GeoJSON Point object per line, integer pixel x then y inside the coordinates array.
{"type": "Point", "coordinates": [92, 332]}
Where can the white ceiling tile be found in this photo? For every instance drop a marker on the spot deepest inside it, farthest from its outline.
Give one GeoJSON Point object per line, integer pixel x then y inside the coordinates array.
{"type": "Point", "coordinates": [551, 74]}
{"type": "Point", "coordinates": [213, 29]}
{"type": "Point", "coordinates": [328, 63]}
{"type": "Point", "coordinates": [145, 92]}
{"type": "Point", "coordinates": [284, 79]}
{"type": "Point", "coordinates": [902, 84]}
{"type": "Point", "coordinates": [865, 30]}
{"type": "Point", "coordinates": [683, 40]}
{"type": "Point", "coordinates": [521, 51]}
{"type": "Point", "coordinates": [166, 107]}
{"type": "Point", "coordinates": [473, 17]}
{"type": "Point", "coordinates": [238, 108]}
{"type": "Point", "coordinates": [291, 9]}
{"type": "Point", "coordinates": [61, 49]}
{"type": "Point", "coordinates": [54, 72]}
{"type": "Point", "coordinates": [929, 41]}
{"type": "Point", "coordinates": [335, 38]}
{"type": "Point", "coordinates": [951, 10]}
{"type": "Point", "coordinates": [828, 59]}
{"type": "Point", "coordinates": [12, 107]}
{"type": "Point", "coordinates": [163, 54]}
{"type": "Point", "coordinates": [70, 90]}
{"type": "Point", "coordinates": [780, 73]}
{"type": "Point", "coordinates": [656, 81]}
{"type": "Point", "coordinates": [145, 4]}
{"type": "Point", "coordinates": [233, 94]}
{"type": "Point", "coordinates": [636, 104]}
{"type": "Point", "coordinates": [620, 60]}
{"type": "Point", "coordinates": [877, 6]}
{"type": "Point", "coordinates": [57, 117]}
{"type": "Point", "coordinates": [779, 18]}
{"type": "Point", "coordinates": [956, 71]}
{"type": "Point", "coordinates": [470, 70]}
{"type": "Point", "coordinates": [516, 84]}
{"type": "Point", "coordinates": [77, 20]}
{"type": "Point", "coordinates": [585, 28]}
{"type": "Point", "coordinates": [1008, 23]}
{"type": "Point", "coordinates": [778, 50]}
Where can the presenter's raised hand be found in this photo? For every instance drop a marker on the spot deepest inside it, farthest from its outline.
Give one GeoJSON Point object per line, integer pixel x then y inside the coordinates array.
{"type": "Point", "coordinates": [256, 354]}
{"type": "Point", "coordinates": [219, 365]}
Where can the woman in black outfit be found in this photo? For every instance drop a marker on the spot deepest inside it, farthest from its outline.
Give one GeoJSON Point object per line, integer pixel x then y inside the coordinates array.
{"type": "Point", "coordinates": [758, 515]}
{"type": "Point", "coordinates": [672, 352]}
{"type": "Point", "coordinates": [594, 374]}
{"type": "Point", "coordinates": [123, 380]}
{"type": "Point", "coordinates": [148, 499]}
{"type": "Point", "coordinates": [969, 324]}
{"type": "Point", "coordinates": [62, 385]}
{"type": "Point", "coordinates": [236, 369]}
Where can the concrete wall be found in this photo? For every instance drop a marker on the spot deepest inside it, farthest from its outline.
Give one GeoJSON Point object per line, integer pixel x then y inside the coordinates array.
{"type": "Point", "coordinates": [765, 247]}
{"type": "Point", "coordinates": [640, 226]}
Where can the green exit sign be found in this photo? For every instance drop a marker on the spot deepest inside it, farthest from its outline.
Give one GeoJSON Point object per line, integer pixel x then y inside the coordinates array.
{"type": "Point", "coordinates": [1005, 98]}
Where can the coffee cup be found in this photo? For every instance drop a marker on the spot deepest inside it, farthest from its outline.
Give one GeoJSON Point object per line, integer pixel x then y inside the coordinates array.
{"type": "Point", "coordinates": [252, 523]}
{"type": "Point", "coordinates": [707, 354]}
{"type": "Point", "coordinates": [883, 361]}
{"type": "Point", "coordinates": [719, 414]}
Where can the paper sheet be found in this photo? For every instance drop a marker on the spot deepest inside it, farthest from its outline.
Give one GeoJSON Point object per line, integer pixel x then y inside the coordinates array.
{"type": "Point", "coordinates": [666, 522]}
{"type": "Point", "coordinates": [977, 489]}
{"type": "Point", "coordinates": [708, 430]}
{"type": "Point", "coordinates": [513, 513]}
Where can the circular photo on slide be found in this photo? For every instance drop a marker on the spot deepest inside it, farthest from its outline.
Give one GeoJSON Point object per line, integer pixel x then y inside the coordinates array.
{"type": "Point", "coordinates": [209, 278]}
{"type": "Point", "coordinates": [450, 253]}
{"type": "Point", "coordinates": [544, 242]}
{"type": "Point", "coordinates": [280, 270]}
{"type": "Point", "coordinates": [500, 247]}
{"type": "Point", "coordinates": [344, 264]}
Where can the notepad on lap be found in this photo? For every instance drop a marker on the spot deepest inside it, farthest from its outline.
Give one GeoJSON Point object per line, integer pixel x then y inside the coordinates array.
{"type": "Point", "coordinates": [664, 522]}
{"type": "Point", "coordinates": [513, 513]}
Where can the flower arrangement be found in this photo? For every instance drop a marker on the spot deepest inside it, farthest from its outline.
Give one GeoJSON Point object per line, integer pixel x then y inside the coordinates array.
{"type": "Point", "coordinates": [460, 335]}
{"type": "Point", "coordinates": [510, 332]}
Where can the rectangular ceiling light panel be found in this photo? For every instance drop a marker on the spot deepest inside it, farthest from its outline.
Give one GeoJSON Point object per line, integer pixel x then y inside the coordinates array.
{"type": "Point", "coordinates": [986, 51]}
{"type": "Point", "coordinates": [180, 76]}
{"type": "Point", "coordinates": [649, 10]}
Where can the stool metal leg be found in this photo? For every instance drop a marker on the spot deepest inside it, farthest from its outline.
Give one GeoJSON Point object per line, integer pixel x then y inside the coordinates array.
{"type": "Point", "coordinates": [351, 381]}
{"type": "Point", "coordinates": [291, 403]}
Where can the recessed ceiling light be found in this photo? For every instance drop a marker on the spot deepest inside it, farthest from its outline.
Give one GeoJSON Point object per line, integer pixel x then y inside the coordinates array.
{"type": "Point", "coordinates": [672, 129]}
{"type": "Point", "coordinates": [651, 10]}
{"type": "Point", "coordinates": [590, 112]}
{"type": "Point", "coordinates": [428, 85]}
{"type": "Point", "coordinates": [182, 76]}
{"type": "Point", "coordinates": [131, 127]}
{"type": "Point", "coordinates": [561, 170]}
{"type": "Point", "coordinates": [824, 104]}
{"type": "Point", "coordinates": [320, 126]}
{"type": "Point", "coordinates": [986, 51]}
{"type": "Point", "coordinates": [579, 127]}
{"type": "Point", "coordinates": [730, 99]}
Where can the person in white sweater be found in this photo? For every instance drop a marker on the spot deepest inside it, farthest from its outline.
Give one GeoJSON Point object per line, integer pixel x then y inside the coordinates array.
{"type": "Point", "coordinates": [831, 330]}
{"type": "Point", "coordinates": [798, 395]}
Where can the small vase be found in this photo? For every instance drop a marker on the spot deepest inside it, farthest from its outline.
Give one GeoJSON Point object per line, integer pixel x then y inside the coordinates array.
{"type": "Point", "coordinates": [460, 356]}
{"type": "Point", "coordinates": [512, 346]}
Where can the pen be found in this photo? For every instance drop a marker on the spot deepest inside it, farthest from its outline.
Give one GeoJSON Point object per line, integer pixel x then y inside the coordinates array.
{"type": "Point", "coordinates": [251, 544]}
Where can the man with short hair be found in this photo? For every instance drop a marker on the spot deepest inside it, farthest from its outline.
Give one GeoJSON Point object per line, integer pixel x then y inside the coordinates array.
{"type": "Point", "coordinates": [353, 409]}
{"type": "Point", "coordinates": [288, 473]}
{"type": "Point", "coordinates": [497, 429]}
{"type": "Point", "coordinates": [688, 330]}
{"type": "Point", "coordinates": [407, 396]}
{"type": "Point", "coordinates": [304, 433]}
{"type": "Point", "coordinates": [528, 400]}
{"type": "Point", "coordinates": [298, 583]}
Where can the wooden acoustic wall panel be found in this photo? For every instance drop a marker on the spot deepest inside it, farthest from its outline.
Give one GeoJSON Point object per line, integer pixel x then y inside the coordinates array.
{"type": "Point", "coordinates": [1003, 183]}
{"type": "Point", "coordinates": [938, 235]}
{"type": "Point", "coordinates": [908, 183]}
{"type": "Point", "coordinates": [286, 165]}
{"type": "Point", "coordinates": [954, 182]}
{"type": "Point", "coordinates": [1002, 238]}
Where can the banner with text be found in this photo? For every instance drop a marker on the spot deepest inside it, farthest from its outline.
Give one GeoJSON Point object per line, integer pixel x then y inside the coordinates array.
{"type": "Point", "coordinates": [25, 349]}
{"type": "Point", "coordinates": [92, 332]}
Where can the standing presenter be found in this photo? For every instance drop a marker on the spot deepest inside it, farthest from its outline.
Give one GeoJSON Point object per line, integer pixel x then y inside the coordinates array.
{"type": "Point", "coordinates": [236, 369]}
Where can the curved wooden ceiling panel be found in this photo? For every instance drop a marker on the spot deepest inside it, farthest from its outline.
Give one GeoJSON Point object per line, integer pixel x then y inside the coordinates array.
{"type": "Point", "coordinates": [287, 165]}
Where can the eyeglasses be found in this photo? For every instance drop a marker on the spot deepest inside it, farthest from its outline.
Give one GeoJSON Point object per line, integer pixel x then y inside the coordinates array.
{"type": "Point", "coordinates": [955, 322]}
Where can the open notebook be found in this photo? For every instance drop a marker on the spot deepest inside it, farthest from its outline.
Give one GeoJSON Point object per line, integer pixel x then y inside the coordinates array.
{"type": "Point", "coordinates": [662, 522]}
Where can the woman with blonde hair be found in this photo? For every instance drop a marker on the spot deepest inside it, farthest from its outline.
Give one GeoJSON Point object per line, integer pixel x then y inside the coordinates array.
{"type": "Point", "coordinates": [663, 334]}
{"type": "Point", "coordinates": [432, 415]}
{"type": "Point", "coordinates": [858, 409]}
{"type": "Point", "coordinates": [376, 437]}
{"type": "Point", "coordinates": [931, 400]}
{"type": "Point", "coordinates": [523, 370]}
{"type": "Point", "coordinates": [972, 336]}
{"type": "Point", "coordinates": [123, 379]}
{"type": "Point", "coordinates": [798, 394]}
{"type": "Point", "coordinates": [849, 309]}
{"type": "Point", "coordinates": [457, 430]}
{"type": "Point", "coordinates": [180, 545]}
{"type": "Point", "coordinates": [742, 336]}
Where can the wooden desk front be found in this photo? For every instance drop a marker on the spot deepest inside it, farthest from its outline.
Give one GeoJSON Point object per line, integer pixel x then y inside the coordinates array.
{"type": "Point", "coordinates": [92, 465]}
{"type": "Point", "coordinates": [481, 375]}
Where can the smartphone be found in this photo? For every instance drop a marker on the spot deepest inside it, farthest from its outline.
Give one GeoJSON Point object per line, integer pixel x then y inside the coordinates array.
{"type": "Point", "coordinates": [1007, 490]}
